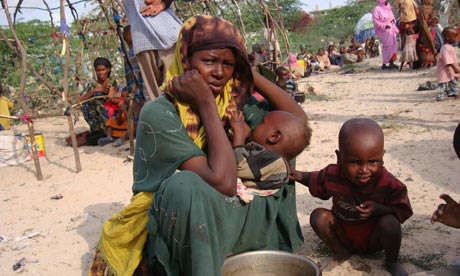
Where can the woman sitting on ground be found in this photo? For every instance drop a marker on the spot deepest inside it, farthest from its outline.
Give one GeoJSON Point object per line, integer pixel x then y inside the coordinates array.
{"type": "Point", "coordinates": [188, 222]}
{"type": "Point", "coordinates": [94, 112]}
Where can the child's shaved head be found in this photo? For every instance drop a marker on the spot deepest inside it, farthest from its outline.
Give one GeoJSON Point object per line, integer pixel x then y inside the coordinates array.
{"type": "Point", "coordinates": [299, 136]}
{"type": "Point", "coordinates": [282, 132]}
{"type": "Point", "coordinates": [359, 130]}
{"type": "Point", "coordinates": [448, 30]}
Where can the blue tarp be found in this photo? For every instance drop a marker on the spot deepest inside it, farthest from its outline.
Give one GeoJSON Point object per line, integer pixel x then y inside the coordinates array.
{"type": "Point", "coordinates": [365, 27]}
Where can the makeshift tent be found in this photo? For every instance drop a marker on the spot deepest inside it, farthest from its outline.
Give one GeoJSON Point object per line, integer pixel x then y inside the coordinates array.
{"type": "Point", "coordinates": [365, 27]}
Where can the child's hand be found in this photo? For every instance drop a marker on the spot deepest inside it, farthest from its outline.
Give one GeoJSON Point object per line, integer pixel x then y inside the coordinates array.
{"type": "Point", "coordinates": [240, 129]}
{"type": "Point", "coordinates": [238, 123]}
{"type": "Point", "coordinates": [295, 175]}
{"type": "Point", "coordinates": [370, 209]}
{"type": "Point", "coordinates": [447, 213]}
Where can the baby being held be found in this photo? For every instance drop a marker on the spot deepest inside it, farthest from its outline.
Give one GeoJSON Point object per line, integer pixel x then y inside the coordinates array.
{"type": "Point", "coordinates": [263, 163]}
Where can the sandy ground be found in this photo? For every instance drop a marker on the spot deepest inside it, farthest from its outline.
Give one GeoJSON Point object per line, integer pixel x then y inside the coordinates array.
{"type": "Point", "coordinates": [57, 237]}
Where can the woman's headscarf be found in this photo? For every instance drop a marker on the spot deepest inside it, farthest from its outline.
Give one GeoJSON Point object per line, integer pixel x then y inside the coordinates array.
{"type": "Point", "coordinates": [381, 3]}
{"type": "Point", "coordinates": [292, 60]}
{"type": "Point", "coordinates": [205, 33]}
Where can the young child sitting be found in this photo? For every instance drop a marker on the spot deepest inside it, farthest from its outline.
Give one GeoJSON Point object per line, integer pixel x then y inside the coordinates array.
{"type": "Point", "coordinates": [368, 203]}
{"type": "Point", "coordinates": [323, 60]}
{"type": "Point", "coordinates": [282, 73]}
{"type": "Point", "coordinates": [263, 163]}
{"type": "Point", "coordinates": [117, 124]}
{"type": "Point", "coordinates": [447, 66]}
{"type": "Point", "coordinates": [314, 62]}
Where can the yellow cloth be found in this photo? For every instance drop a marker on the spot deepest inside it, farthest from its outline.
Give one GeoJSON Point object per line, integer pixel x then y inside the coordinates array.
{"type": "Point", "coordinates": [407, 8]}
{"type": "Point", "coordinates": [124, 235]}
{"type": "Point", "coordinates": [5, 106]}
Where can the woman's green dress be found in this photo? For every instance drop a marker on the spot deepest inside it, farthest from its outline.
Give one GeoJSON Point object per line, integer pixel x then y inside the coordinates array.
{"type": "Point", "coordinates": [192, 227]}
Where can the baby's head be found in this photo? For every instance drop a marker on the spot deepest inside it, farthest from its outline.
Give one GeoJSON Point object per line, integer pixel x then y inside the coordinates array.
{"type": "Point", "coordinates": [283, 133]}
{"type": "Point", "coordinates": [114, 94]}
{"type": "Point", "coordinates": [282, 73]}
{"type": "Point", "coordinates": [361, 150]}
{"type": "Point", "coordinates": [449, 34]}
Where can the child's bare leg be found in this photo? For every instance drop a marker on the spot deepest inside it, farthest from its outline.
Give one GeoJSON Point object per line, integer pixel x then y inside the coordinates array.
{"type": "Point", "coordinates": [329, 231]}
{"type": "Point", "coordinates": [387, 236]}
{"type": "Point", "coordinates": [109, 131]}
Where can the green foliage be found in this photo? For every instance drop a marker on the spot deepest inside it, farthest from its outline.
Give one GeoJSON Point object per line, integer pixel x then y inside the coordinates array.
{"type": "Point", "coordinates": [332, 25]}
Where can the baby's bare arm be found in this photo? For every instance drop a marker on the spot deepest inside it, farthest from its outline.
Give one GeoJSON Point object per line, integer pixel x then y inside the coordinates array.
{"type": "Point", "coordinates": [240, 128]}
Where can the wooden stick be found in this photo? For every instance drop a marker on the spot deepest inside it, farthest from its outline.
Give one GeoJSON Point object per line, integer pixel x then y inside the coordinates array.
{"type": "Point", "coordinates": [65, 41]}
{"type": "Point", "coordinates": [33, 147]}
{"type": "Point", "coordinates": [22, 87]}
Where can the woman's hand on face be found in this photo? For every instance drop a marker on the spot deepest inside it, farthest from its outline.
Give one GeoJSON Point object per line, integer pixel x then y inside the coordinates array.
{"type": "Point", "coordinates": [190, 88]}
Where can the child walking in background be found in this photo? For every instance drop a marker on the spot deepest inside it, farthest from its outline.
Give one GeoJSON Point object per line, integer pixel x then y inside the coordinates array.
{"type": "Point", "coordinates": [409, 53]}
{"type": "Point", "coordinates": [5, 106]}
{"type": "Point", "coordinates": [368, 203]}
{"type": "Point", "coordinates": [447, 66]}
{"type": "Point", "coordinates": [263, 163]}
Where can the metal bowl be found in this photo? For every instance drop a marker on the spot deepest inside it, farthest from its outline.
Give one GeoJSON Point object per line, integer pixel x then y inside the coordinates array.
{"type": "Point", "coordinates": [267, 263]}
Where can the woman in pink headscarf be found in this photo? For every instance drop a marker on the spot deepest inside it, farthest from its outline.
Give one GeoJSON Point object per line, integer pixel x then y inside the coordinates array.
{"type": "Point", "coordinates": [297, 69]}
{"type": "Point", "coordinates": [386, 30]}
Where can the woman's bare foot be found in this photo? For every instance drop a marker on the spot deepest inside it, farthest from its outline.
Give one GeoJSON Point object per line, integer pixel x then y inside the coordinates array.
{"type": "Point", "coordinates": [396, 269]}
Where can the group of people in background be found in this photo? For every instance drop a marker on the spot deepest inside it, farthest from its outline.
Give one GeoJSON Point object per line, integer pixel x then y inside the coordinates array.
{"type": "Point", "coordinates": [417, 29]}
{"type": "Point", "coordinates": [151, 38]}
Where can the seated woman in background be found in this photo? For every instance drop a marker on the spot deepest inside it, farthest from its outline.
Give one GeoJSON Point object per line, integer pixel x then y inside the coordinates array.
{"type": "Point", "coordinates": [94, 111]}
{"type": "Point", "coordinates": [334, 56]}
{"type": "Point", "coordinates": [184, 217]}
{"type": "Point", "coordinates": [323, 59]}
{"type": "Point", "coordinates": [297, 69]}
